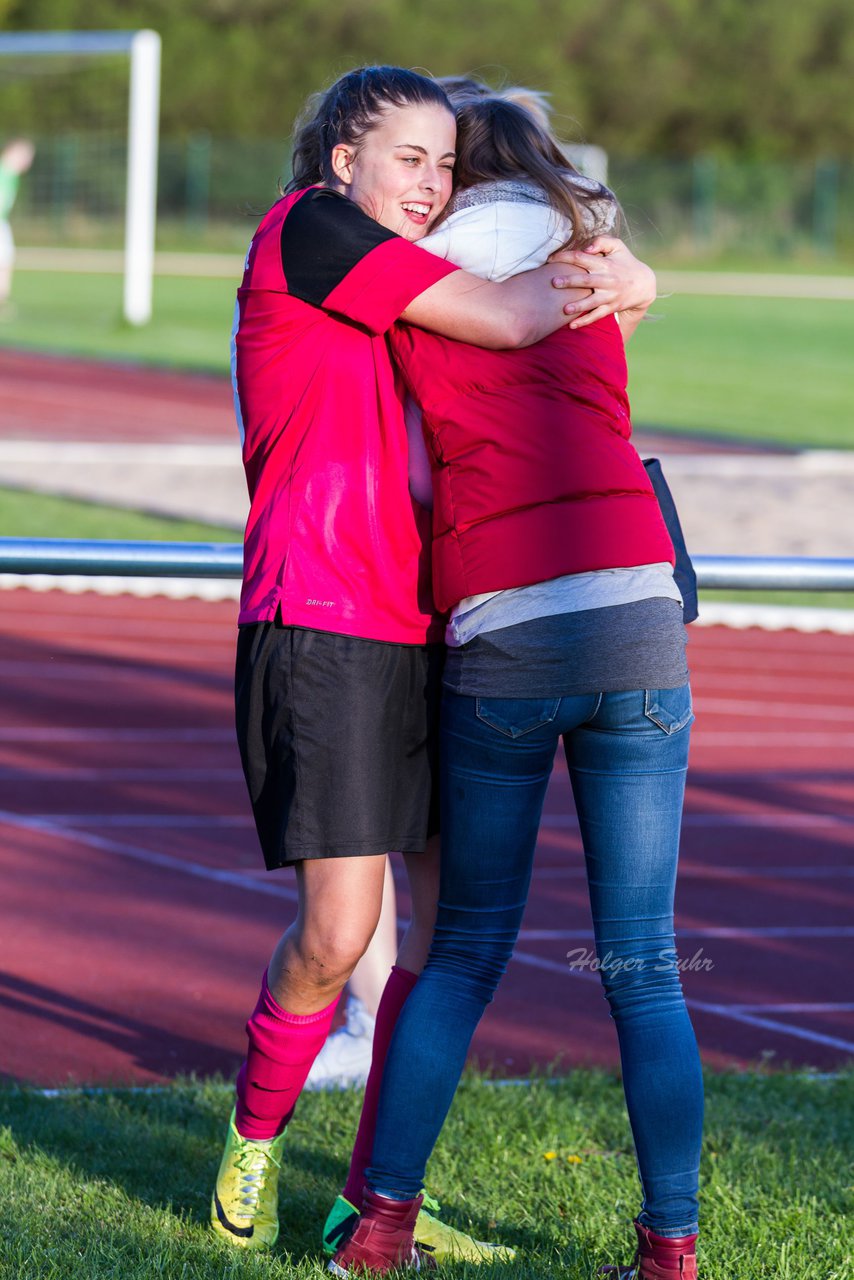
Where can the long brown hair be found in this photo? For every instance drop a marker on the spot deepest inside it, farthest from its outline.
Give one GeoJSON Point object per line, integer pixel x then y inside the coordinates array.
{"type": "Point", "coordinates": [499, 140]}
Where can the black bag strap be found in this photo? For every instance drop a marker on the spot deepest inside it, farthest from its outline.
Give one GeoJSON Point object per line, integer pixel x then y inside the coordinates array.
{"type": "Point", "coordinates": [684, 572]}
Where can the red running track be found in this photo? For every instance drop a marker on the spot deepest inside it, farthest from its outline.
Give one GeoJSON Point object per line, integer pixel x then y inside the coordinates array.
{"type": "Point", "coordinates": [136, 920]}
{"type": "Point", "coordinates": [48, 397]}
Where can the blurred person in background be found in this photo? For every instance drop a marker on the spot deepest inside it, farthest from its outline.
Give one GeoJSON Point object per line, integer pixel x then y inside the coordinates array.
{"type": "Point", "coordinates": [16, 158]}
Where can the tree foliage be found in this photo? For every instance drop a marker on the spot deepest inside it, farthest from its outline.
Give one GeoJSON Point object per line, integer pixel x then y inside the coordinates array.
{"type": "Point", "coordinates": [676, 77]}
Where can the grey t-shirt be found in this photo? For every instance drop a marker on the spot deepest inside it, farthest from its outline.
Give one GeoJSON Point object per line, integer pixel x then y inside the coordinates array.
{"type": "Point", "coordinates": [640, 645]}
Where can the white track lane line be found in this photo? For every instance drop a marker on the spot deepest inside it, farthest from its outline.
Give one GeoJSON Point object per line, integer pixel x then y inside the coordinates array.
{"type": "Point", "coordinates": [550, 821]}
{"type": "Point", "coordinates": [523, 1082]}
{"type": "Point", "coordinates": [197, 455]}
{"type": "Point", "coordinates": [734, 933]}
{"type": "Point", "coordinates": [184, 821]}
{"type": "Point", "coordinates": [115, 671]}
{"type": "Point", "coordinates": [789, 660]}
{"type": "Point", "coordinates": [730, 683]}
{"type": "Point", "coordinates": [830, 741]}
{"type": "Point", "coordinates": [770, 1024]}
{"type": "Point", "coordinates": [147, 857]}
{"type": "Point", "coordinates": [809, 620]}
{"type": "Point", "coordinates": [732, 1014]}
{"type": "Point", "coordinates": [787, 710]}
{"type": "Point", "coordinates": [228, 266]}
{"type": "Point", "coordinates": [792, 1008]}
{"type": "Point", "coordinates": [174, 590]}
{"type": "Point", "coordinates": [560, 820]}
{"type": "Point", "coordinates": [12, 773]}
{"type": "Point", "coordinates": [703, 705]}
{"type": "Point", "coordinates": [198, 821]}
{"type": "Point", "coordinates": [47, 733]}
{"type": "Point", "coordinates": [696, 872]}
{"type": "Point", "coordinates": [195, 821]}
{"type": "Point", "coordinates": [827, 740]}
{"type": "Point", "coordinates": [839, 774]}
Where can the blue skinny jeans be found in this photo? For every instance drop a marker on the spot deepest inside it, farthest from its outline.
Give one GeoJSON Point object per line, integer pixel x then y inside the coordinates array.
{"type": "Point", "coordinates": [627, 754]}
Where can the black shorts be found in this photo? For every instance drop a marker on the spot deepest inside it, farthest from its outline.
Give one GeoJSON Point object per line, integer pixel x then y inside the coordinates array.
{"type": "Point", "coordinates": [338, 739]}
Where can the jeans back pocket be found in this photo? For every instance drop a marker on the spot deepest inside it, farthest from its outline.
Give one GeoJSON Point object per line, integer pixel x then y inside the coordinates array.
{"type": "Point", "coordinates": [670, 709]}
{"type": "Point", "coordinates": [517, 716]}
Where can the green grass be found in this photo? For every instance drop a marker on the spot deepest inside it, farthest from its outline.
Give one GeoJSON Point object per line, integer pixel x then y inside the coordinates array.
{"type": "Point", "coordinates": [761, 368]}
{"type": "Point", "coordinates": [39, 515]}
{"type": "Point", "coordinates": [804, 262]}
{"type": "Point", "coordinates": [117, 1184]}
{"type": "Point", "coordinates": [766, 369]}
{"type": "Point", "coordinates": [82, 314]}
{"type": "Point", "coordinates": [799, 599]}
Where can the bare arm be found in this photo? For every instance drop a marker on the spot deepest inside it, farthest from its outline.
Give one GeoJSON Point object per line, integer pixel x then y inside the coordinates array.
{"type": "Point", "coordinates": [518, 312]}
{"type": "Point", "coordinates": [514, 313]}
{"type": "Point", "coordinates": [619, 282]}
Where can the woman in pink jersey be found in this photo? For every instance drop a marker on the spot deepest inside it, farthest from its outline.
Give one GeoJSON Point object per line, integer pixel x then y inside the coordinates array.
{"type": "Point", "coordinates": [566, 625]}
{"type": "Point", "coordinates": [338, 655]}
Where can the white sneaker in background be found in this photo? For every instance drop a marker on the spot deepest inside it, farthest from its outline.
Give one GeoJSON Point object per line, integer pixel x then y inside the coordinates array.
{"type": "Point", "coordinates": [345, 1059]}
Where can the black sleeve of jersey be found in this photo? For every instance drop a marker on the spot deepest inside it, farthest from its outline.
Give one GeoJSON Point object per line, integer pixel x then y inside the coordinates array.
{"type": "Point", "coordinates": [323, 237]}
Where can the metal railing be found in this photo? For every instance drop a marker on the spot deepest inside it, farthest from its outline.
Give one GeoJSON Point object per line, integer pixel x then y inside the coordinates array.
{"type": "Point", "coordinates": [64, 556]}
{"type": "Point", "coordinates": [99, 559]}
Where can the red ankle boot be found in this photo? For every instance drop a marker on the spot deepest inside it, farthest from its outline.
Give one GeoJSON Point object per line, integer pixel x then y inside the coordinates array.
{"type": "Point", "coordinates": [383, 1239]}
{"type": "Point", "coordinates": [658, 1258]}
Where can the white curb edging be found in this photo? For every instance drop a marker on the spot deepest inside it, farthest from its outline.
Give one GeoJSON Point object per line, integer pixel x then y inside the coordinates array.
{"type": "Point", "coordinates": [767, 617]}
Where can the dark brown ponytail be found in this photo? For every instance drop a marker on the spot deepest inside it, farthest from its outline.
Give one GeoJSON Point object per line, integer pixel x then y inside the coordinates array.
{"type": "Point", "coordinates": [348, 110]}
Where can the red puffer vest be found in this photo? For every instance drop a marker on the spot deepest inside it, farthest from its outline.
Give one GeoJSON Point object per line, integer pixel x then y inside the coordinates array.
{"type": "Point", "coordinates": [534, 474]}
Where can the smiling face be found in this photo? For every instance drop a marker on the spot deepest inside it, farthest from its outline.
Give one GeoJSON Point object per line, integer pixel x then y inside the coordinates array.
{"type": "Point", "coordinates": [401, 172]}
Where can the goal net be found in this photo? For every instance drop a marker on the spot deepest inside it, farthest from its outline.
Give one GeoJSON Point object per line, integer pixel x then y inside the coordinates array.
{"type": "Point", "coordinates": [90, 102]}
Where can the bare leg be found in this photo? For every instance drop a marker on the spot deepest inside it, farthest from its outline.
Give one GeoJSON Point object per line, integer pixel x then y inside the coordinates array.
{"type": "Point", "coordinates": [5, 283]}
{"type": "Point", "coordinates": [371, 973]}
{"type": "Point", "coordinates": [377, 990]}
{"type": "Point", "coordinates": [340, 901]}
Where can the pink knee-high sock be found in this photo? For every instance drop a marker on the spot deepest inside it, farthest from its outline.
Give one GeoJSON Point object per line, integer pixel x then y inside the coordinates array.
{"type": "Point", "coordinates": [400, 983]}
{"type": "Point", "coordinates": [282, 1047]}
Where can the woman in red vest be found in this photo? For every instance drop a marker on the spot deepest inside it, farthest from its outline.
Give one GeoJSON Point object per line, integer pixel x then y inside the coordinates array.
{"type": "Point", "coordinates": [566, 624]}
{"type": "Point", "coordinates": [339, 648]}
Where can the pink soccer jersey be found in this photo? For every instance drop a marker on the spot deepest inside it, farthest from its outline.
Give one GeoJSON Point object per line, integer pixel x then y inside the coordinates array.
{"type": "Point", "coordinates": [333, 539]}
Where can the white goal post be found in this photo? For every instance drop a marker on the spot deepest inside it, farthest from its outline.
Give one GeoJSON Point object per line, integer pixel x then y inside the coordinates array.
{"type": "Point", "coordinates": [143, 49]}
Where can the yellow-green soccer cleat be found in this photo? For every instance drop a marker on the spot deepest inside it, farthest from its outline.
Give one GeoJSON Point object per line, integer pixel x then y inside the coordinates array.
{"type": "Point", "coordinates": [244, 1208]}
{"type": "Point", "coordinates": [444, 1243]}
